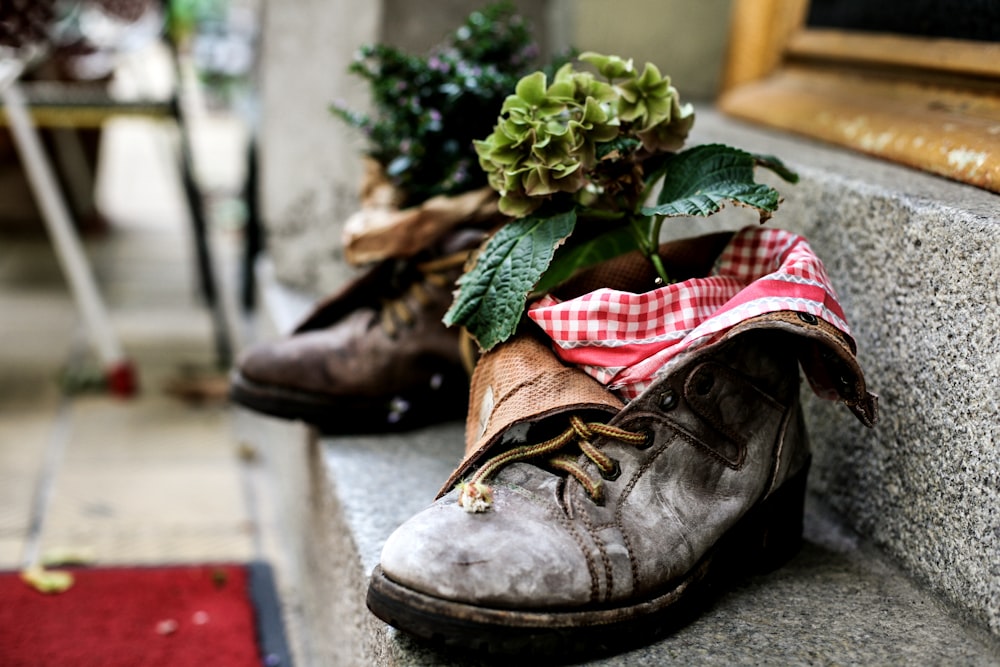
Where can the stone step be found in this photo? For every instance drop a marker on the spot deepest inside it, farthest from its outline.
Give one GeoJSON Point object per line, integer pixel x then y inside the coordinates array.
{"type": "Point", "coordinates": [839, 601]}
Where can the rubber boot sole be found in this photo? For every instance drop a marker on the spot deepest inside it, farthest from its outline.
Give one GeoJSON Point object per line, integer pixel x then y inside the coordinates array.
{"type": "Point", "coordinates": [356, 415]}
{"type": "Point", "coordinates": [765, 538]}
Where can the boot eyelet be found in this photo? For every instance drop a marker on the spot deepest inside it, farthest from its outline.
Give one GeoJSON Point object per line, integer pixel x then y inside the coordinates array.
{"type": "Point", "coordinates": [614, 473]}
{"type": "Point", "coordinates": [808, 318]}
{"type": "Point", "coordinates": [668, 399]}
{"type": "Point", "coordinates": [648, 442]}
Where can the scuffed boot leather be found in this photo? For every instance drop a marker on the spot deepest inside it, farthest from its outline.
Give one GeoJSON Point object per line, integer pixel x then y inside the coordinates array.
{"type": "Point", "coordinates": [373, 358]}
{"type": "Point", "coordinates": [604, 524]}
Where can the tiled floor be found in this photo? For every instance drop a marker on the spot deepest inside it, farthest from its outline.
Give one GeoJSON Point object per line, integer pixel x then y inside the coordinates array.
{"type": "Point", "coordinates": [157, 478]}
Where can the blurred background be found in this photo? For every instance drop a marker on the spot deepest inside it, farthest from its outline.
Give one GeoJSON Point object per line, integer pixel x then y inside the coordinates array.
{"type": "Point", "coordinates": [122, 216]}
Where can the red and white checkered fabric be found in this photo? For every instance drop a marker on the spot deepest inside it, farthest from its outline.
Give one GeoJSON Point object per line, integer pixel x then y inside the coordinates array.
{"type": "Point", "coordinates": [624, 340]}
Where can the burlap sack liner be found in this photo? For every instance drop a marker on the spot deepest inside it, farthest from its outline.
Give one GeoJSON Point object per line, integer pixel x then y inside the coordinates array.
{"type": "Point", "coordinates": [528, 383]}
{"type": "Point", "coordinates": [380, 230]}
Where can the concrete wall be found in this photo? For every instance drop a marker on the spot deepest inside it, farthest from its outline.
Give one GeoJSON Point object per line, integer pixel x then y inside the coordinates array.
{"type": "Point", "coordinates": [308, 165]}
{"type": "Point", "coordinates": [685, 40]}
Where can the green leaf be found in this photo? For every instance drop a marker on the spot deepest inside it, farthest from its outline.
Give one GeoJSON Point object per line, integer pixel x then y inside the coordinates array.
{"type": "Point", "coordinates": [491, 296]}
{"type": "Point", "coordinates": [701, 180]}
{"type": "Point", "coordinates": [570, 260]}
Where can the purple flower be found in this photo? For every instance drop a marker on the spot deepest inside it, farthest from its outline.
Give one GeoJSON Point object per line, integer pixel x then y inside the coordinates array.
{"type": "Point", "coordinates": [437, 64]}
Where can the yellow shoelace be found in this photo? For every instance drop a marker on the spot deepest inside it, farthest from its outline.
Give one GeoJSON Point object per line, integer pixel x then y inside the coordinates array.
{"type": "Point", "coordinates": [477, 496]}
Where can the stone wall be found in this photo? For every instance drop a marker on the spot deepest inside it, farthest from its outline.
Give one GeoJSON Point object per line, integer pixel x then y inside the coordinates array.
{"type": "Point", "coordinates": [915, 260]}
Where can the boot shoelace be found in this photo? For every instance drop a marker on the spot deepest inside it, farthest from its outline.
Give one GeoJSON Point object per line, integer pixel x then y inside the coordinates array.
{"type": "Point", "coordinates": [399, 312]}
{"type": "Point", "coordinates": [477, 496]}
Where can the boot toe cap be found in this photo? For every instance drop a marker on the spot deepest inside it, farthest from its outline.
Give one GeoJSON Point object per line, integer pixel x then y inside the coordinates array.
{"type": "Point", "coordinates": [298, 362]}
{"type": "Point", "coordinates": [501, 558]}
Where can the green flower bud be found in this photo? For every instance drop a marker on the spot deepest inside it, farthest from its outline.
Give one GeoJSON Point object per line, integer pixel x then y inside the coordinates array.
{"type": "Point", "coordinates": [545, 140]}
{"type": "Point", "coordinates": [646, 99]}
{"type": "Point", "coordinates": [610, 67]}
{"type": "Point", "coordinates": [669, 135]}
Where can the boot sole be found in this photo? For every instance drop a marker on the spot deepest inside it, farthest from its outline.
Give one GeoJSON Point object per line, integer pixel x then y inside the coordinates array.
{"type": "Point", "coordinates": [764, 539]}
{"type": "Point", "coordinates": [342, 415]}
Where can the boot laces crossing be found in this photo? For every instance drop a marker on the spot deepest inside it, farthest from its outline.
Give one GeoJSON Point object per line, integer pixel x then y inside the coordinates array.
{"type": "Point", "coordinates": [476, 496]}
{"type": "Point", "coordinates": [402, 311]}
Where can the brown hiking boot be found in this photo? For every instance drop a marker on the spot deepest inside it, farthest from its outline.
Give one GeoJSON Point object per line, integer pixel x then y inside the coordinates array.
{"type": "Point", "coordinates": [373, 358]}
{"type": "Point", "coordinates": [582, 522]}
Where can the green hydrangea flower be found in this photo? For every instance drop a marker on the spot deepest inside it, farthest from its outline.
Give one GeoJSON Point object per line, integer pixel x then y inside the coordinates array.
{"type": "Point", "coordinates": [610, 67]}
{"type": "Point", "coordinates": [645, 99]}
{"type": "Point", "coordinates": [546, 138]}
{"type": "Point", "coordinates": [648, 101]}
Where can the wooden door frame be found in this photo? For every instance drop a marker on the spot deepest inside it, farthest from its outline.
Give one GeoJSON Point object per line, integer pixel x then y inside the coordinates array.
{"type": "Point", "coordinates": [931, 104]}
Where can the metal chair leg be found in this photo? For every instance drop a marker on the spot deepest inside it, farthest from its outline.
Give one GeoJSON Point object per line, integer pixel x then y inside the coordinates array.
{"type": "Point", "coordinates": [120, 372]}
{"type": "Point", "coordinates": [206, 267]}
{"type": "Point", "coordinates": [253, 231]}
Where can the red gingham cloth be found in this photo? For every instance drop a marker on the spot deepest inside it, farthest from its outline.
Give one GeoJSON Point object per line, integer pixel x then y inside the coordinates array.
{"type": "Point", "coordinates": [624, 340]}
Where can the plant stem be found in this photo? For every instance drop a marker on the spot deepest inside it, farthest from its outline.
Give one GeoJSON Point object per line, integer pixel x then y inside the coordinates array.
{"type": "Point", "coordinates": [660, 269]}
{"type": "Point", "coordinates": [654, 232]}
{"type": "Point", "coordinates": [638, 233]}
{"type": "Point", "coordinates": [650, 245]}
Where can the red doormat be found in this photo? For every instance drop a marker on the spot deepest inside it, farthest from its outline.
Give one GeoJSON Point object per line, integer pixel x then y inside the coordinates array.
{"type": "Point", "coordinates": [178, 616]}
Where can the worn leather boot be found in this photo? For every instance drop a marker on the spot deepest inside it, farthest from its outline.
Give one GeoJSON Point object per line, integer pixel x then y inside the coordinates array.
{"type": "Point", "coordinates": [373, 358]}
{"type": "Point", "coordinates": [579, 522]}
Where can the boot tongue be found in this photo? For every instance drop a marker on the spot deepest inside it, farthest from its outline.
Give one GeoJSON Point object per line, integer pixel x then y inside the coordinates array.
{"type": "Point", "coordinates": [521, 384]}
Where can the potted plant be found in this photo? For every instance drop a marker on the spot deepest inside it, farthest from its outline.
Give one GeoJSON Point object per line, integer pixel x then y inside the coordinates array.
{"type": "Point", "coordinates": [388, 362]}
{"type": "Point", "coordinates": [421, 175]}
{"type": "Point", "coordinates": [575, 162]}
